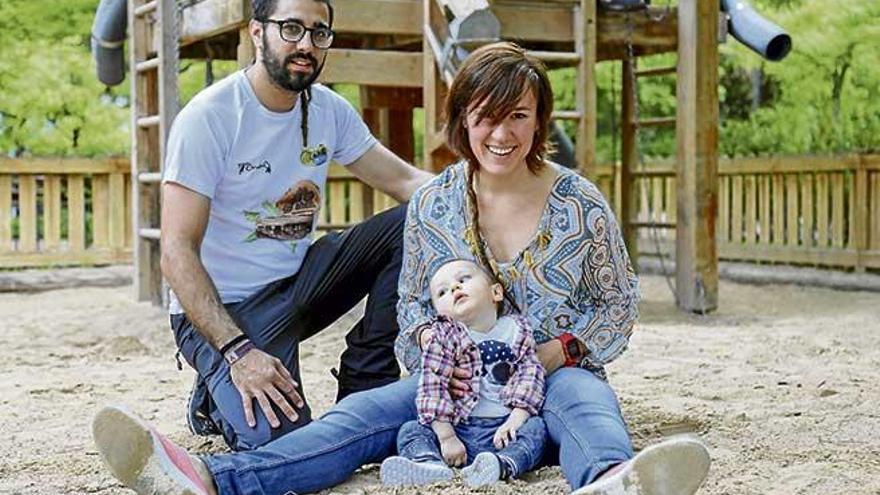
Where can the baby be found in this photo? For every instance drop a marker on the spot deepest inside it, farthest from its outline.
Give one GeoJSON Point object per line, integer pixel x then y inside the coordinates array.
{"type": "Point", "coordinates": [494, 426]}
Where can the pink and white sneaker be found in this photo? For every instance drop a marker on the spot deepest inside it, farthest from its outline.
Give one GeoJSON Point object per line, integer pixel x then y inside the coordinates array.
{"type": "Point", "coordinates": [141, 458]}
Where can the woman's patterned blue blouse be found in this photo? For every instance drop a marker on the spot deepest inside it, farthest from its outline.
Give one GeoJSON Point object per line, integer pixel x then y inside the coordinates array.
{"type": "Point", "coordinates": [574, 276]}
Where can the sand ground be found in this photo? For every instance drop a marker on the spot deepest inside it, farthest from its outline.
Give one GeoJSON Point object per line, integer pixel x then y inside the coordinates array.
{"type": "Point", "coordinates": [781, 383]}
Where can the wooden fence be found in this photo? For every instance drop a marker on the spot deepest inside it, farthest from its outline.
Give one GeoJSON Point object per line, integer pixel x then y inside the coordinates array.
{"type": "Point", "coordinates": [65, 212]}
{"type": "Point", "coordinates": [822, 211]}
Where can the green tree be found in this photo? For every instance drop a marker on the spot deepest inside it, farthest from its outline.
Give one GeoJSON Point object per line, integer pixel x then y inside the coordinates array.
{"type": "Point", "coordinates": [51, 102]}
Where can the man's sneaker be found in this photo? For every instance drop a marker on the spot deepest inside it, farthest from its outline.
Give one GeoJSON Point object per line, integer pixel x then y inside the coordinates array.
{"type": "Point", "coordinates": [400, 471]}
{"type": "Point", "coordinates": [485, 470]}
{"type": "Point", "coordinates": [141, 458]}
{"type": "Point", "coordinates": [197, 410]}
{"type": "Point", "coordinates": [676, 466]}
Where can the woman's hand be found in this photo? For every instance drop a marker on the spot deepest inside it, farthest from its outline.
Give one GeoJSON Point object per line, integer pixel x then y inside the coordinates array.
{"type": "Point", "coordinates": [551, 355]}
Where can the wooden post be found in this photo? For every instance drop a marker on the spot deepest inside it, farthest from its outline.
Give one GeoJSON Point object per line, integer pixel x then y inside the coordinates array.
{"type": "Point", "coordinates": [52, 211]}
{"type": "Point", "coordinates": [629, 158]}
{"type": "Point", "coordinates": [585, 92]}
{"type": "Point", "coordinates": [5, 213]}
{"type": "Point", "coordinates": [116, 215]}
{"type": "Point", "coordinates": [246, 51]}
{"type": "Point", "coordinates": [435, 154]}
{"type": "Point", "coordinates": [697, 167]}
{"type": "Point", "coordinates": [76, 213]}
{"type": "Point", "coordinates": [861, 226]}
{"type": "Point", "coordinates": [27, 213]}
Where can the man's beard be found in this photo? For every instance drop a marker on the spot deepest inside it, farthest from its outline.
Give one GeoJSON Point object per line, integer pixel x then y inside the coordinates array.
{"type": "Point", "coordinates": [279, 74]}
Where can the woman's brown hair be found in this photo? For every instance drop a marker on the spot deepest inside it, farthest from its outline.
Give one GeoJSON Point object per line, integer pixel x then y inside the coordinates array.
{"type": "Point", "coordinates": [494, 78]}
{"type": "Point", "coordinates": [497, 76]}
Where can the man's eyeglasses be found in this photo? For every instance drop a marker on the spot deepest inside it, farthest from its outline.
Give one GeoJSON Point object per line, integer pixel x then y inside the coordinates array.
{"type": "Point", "coordinates": [293, 31]}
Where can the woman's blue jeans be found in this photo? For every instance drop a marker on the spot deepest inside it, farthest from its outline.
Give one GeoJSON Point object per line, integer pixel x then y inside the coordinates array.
{"type": "Point", "coordinates": [584, 426]}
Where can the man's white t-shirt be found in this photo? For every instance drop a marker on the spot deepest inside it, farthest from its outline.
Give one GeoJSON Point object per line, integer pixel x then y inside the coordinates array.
{"type": "Point", "coordinates": [266, 187]}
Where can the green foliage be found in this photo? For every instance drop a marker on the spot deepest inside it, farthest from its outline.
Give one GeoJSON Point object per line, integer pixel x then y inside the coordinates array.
{"type": "Point", "coordinates": [825, 97]}
{"type": "Point", "coordinates": [827, 89]}
{"type": "Point", "coordinates": [51, 103]}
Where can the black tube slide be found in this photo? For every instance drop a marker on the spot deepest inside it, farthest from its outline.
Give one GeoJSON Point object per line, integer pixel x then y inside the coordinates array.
{"type": "Point", "coordinates": [751, 29]}
{"type": "Point", "coordinates": [108, 37]}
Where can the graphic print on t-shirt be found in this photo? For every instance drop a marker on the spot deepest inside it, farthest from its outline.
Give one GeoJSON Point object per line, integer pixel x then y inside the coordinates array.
{"type": "Point", "coordinates": [290, 218]}
{"type": "Point", "coordinates": [498, 361]}
{"type": "Point", "coordinates": [314, 157]}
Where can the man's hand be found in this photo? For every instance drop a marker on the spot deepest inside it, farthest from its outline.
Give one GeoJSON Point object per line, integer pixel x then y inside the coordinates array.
{"type": "Point", "coordinates": [263, 377]}
{"type": "Point", "coordinates": [458, 385]}
{"type": "Point", "coordinates": [453, 451]}
{"type": "Point", "coordinates": [507, 431]}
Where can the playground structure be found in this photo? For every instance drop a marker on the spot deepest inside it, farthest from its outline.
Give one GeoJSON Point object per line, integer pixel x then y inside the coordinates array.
{"type": "Point", "coordinates": [385, 46]}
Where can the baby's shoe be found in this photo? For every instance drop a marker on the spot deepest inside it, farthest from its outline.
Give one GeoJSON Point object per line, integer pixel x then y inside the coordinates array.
{"type": "Point", "coordinates": [397, 471]}
{"type": "Point", "coordinates": [486, 469]}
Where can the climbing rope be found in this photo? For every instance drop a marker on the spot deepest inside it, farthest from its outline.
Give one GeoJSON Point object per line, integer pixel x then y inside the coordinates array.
{"type": "Point", "coordinates": [632, 61]}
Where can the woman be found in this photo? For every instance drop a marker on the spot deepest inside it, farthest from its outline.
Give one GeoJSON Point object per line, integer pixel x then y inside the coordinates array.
{"type": "Point", "coordinates": [550, 238]}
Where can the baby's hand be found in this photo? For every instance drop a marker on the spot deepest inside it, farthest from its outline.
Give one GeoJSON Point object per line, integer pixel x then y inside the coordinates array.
{"type": "Point", "coordinates": [507, 432]}
{"type": "Point", "coordinates": [453, 451]}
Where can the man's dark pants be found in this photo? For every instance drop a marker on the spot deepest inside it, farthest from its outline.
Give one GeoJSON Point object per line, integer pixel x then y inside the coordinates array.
{"type": "Point", "coordinates": [338, 271]}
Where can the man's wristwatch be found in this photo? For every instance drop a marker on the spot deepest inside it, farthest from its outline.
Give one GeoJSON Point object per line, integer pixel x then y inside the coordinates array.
{"type": "Point", "coordinates": [571, 349]}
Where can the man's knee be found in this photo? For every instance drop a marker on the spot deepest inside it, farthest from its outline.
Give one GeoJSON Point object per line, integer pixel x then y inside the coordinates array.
{"type": "Point", "coordinates": [241, 437]}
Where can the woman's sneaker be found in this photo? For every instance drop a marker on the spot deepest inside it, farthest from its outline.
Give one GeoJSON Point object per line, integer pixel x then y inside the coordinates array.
{"type": "Point", "coordinates": [400, 471]}
{"type": "Point", "coordinates": [141, 458]}
{"type": "Point", "coordinates": [676, 466]}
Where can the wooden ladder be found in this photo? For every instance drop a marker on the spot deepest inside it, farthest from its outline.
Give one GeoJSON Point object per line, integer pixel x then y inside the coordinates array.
{"type": "Point", "coordinates": [153, 49]}
{"type": "Point", "coordinates": [631, 171]}
{"type": "Point", "coordinates": [583, 58]}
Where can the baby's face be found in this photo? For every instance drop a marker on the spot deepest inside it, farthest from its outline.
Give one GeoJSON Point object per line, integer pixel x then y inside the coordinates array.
{"type": "Point", "coordinates": [463, 292]}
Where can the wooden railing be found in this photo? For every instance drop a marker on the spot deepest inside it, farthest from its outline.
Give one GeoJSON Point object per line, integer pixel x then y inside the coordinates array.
{"type": "Point", "coordinates": [804, 210]}
{"type": "Point", "coordinates": [65, 212]}
{"type": "Point", "coordinates": [821, 211]}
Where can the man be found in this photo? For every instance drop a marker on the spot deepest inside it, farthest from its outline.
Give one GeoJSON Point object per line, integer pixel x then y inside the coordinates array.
{"type": "Point", "coordinates": [244, 180]}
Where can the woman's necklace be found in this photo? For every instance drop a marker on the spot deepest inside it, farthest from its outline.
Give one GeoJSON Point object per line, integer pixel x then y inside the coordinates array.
{"type": "Point", "coordinates": [507, 273]}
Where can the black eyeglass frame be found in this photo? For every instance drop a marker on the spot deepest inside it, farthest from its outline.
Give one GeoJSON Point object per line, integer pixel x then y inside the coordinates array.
{"type": "Point", "coordinates": [282, 22]}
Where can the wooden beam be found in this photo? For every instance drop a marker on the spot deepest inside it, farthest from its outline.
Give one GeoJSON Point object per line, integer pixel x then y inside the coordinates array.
{"type": "Point", "coordinates": [245, 53]}
{"type": "Point", "coordinates": [392, 98]}
{"type": "Point", "coordinates": [91, 257]}
{"type": "Point", "coordinates": [208, 18]}
{"type": "Point", "coordinates": [585, 93]}
{"type": "Point", "coordinates": [697, 153]}
{"type": "Point", "coordinates": [378, 17]}
{"type": "Point", "coordinates": [63, 166]}
{"type": "Point", "coordinates": [789, 254]}
{"type": "Point", "coordinates": [373, 68]}
{"type": "Point", "coordinates": [548, 22]}
{"type": "Point", "coordinates": [464, 8]}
